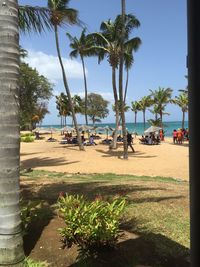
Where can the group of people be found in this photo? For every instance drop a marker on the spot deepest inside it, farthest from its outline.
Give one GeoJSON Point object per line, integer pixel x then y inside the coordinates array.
{"type": "Point", "coordinates": [150, 139]}
{"type": "Point", "coordinates": [180, 135]}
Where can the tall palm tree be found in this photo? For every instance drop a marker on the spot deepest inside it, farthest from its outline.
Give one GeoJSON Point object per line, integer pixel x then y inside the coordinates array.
{"type": "Point", "coordinates": [182, 102]}
{"type": "Point", "coordinates": [81, 47]}
{"type": "Point", "coordinates": [107, 45]}
{"type": "Point", "coordinates": [145, 103]}
{"type": "Point", "coordinates": [161, 98]}
{"type": "Point", "coordinates": [135, 107]}
{"type": "Point", "coordinates": [61, 14]}
{"type": "Point", "coordinates": [11, 16]}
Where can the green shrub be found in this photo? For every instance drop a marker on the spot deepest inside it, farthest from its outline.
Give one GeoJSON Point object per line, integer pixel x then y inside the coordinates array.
{"type": "Point", "coordinates": [27, 138]}
{"type": "Point", "coordinates": [29, 211]}
{"type": "Point", "coordinates": [32, 263]}
{"type": "Point", "coordinates": [27, 134]}
{"type": "Point", "coordinates": [91, 225]}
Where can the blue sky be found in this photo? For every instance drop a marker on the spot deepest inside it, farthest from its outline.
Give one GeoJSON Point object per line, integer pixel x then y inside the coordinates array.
{"type": "Point", "coordinates": [160, 61]}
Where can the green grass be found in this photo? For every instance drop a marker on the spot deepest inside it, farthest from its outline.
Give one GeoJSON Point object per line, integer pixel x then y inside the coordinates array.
{"type": "Point", "coordinates": [35, 174]}
{"type": "Point", "coordinates": [158, 207]}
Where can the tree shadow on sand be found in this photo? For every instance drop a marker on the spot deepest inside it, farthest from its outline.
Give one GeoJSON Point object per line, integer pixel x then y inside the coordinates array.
{"type": "Point", "coordinates": [119, 154]}
{"type": "Point", "coordinates": [44, 162]}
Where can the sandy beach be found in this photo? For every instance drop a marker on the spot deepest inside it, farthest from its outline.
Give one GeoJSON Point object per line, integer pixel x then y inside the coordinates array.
{"type": "Point", "coordinates": [166, 159]}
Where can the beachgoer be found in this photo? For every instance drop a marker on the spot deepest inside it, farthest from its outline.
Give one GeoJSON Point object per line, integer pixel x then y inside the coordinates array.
{"type": "Point", "coordinates": [130, 141]}
{"type": "Point", "coordinates": [161, 133]}
{"type": "Point", "coordinates": [179, 136]}
{"type": "Point", "coordinates": [174, 136]}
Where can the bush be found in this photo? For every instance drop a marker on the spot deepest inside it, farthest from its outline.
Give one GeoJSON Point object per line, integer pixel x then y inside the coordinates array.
{"type": "Point", "coordinates": [92, 225]}
{"type": "Point", "coordinates": [27, 138]}
{"type": "Point", "coordinates": [29, 211]}
{"type": "Point", "coordinates": [27, 134]}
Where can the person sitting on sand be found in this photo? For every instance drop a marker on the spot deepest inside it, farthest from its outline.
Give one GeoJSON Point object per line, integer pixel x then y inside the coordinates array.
{"type": "Point", "coordinates": [91, 140]}
{"type": "Point", "coordinates": [142, 139]}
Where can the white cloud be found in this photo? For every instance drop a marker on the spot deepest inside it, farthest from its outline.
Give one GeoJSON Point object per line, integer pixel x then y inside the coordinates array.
{"type": "Point", "coordinates": [48, 65]}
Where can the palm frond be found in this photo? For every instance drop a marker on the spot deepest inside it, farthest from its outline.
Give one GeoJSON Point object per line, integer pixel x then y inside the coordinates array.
{"type": "Point", "coordinates": [35, 19]}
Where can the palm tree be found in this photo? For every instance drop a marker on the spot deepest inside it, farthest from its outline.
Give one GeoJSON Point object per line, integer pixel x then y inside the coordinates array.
{"type": "Point", "coordinates": [81, 47]}
{"type": "Point", "coordinates": [182, 102]}
{"type": "Point", "coordinates": [135, 107]}
{"type": "Point", "coordinates": [144, 103]}
{"type": "Point", "coordinates": [11, 16]}
{"type": "Point", "coordinates": [161, 98]}
{"type": "Point", "coordinates": [61, 15]}
{"type": "Point", "coordinates": [107, 45]}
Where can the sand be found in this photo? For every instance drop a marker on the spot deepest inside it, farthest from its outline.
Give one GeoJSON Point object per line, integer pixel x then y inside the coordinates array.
{"type": "Point", "coordinates": [166, 159]}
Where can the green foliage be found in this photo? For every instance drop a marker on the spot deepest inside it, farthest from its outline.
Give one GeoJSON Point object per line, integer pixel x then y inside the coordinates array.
{"type": "Point", "coordinates": [27, 134]}
{"type": "Point", "coordinates": [27, 139]}
{"type": "Point", "coordinates": [35, 91]}
{"type": "Point", "coordinates": [91, 225]}
{"type": "Point", "coordinates": [32, 263]}
{"type": "Point", "coordinates": [29, 211]}
{"type": "Point", "coordinates": [97, 107]}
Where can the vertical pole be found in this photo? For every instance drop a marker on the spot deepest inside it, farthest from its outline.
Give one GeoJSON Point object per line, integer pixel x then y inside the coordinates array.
{"type": "Point", "coordinates": [193, 11]}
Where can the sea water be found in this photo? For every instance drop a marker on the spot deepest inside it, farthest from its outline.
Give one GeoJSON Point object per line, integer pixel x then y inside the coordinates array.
{"type": "Point", "coordinates": [139, 128]}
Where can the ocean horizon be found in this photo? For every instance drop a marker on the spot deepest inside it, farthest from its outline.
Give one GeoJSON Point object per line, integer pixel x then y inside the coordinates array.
{"type": "Point", "coordinates": [168, 126]}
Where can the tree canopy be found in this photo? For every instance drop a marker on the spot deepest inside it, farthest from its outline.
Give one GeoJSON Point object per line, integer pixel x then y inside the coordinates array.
{"type": "Point", "coordinates": [34, 92]}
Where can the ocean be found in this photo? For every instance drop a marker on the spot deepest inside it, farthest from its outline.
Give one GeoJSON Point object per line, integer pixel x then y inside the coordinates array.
{"type": "Point", "coordinates": [139, 127]}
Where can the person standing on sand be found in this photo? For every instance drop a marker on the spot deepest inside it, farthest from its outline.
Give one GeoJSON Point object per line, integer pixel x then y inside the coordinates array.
{"type": "Point", "coordinates": [130, 141]}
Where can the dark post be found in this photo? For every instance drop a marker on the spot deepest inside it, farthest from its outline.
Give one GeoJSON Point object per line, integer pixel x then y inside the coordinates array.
{"type": "Point", "coordinates": [194, 123]}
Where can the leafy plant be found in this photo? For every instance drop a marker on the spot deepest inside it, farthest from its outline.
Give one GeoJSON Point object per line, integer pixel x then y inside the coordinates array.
{"type": "Point", "coordinates": [92, 225]}
{"type": "Point", "coordinates": [29, 211]}
{"type": "Point", "coordinates": [27, 139]}
{"type": "Point", "coordinates": [31, 263]}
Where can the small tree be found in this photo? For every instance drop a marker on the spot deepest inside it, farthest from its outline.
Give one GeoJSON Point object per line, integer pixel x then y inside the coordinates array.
{"type": "Point", "coordinates": [97, 107]}
{"type": "Point", "coordinates": [35, 91]}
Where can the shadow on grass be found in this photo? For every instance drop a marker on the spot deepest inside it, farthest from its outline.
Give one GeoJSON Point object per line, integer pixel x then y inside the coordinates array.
{"type": "Point", "coordinates": [137, 248]}
{"type": "Point", "coordinates": [142, 250]}
{"type": "Point", "coordinates": [50, 191]}
{"type": "Point", "coordinates": [35, 229]}
{"type": "Point", "coordinates": [43, 162]}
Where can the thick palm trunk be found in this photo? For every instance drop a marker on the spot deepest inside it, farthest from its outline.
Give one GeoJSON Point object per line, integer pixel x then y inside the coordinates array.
{"type": "Point", "coordinates": [114, 143]}
{"type": "Point", "coordinates": [11, 244]}
{"type": "Point", "coordinates": [125, 152]}
{"type": "Point", "coordinates": [81, 147]}
{"type": "Point", "coordinates": [86, 94]}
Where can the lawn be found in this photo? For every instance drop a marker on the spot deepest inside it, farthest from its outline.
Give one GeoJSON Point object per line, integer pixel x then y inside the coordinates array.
{"type": "Point", "coordinates": [155, 223]}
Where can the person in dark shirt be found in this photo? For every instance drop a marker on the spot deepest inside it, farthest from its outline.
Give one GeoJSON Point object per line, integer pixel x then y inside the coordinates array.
{"type": "Point", "coordinates": [130, 141]}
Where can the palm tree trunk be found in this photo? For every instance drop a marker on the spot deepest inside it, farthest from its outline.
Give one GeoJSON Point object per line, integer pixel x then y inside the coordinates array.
{"type": "Point", "coordinates": [121, 63]}
{"type": "Point", "coordinates": [183, 120]}
{"type": "Point", "coordinates": [85, 83]}
{"type": "Point", "coordinates": [144, 119]}
{"type": "Point", "coordinates": [81, 147]}
{"type": "Point", "coordinates": [114, 143]}
{"type": "Point", "coordinates": [161, 118]}
{"type": "Point", "coordinates": [135, 118]}
{"type": "Point", "coordinates": [126, 86]}
{"type": "Point", "coordinates": [11, 243]}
